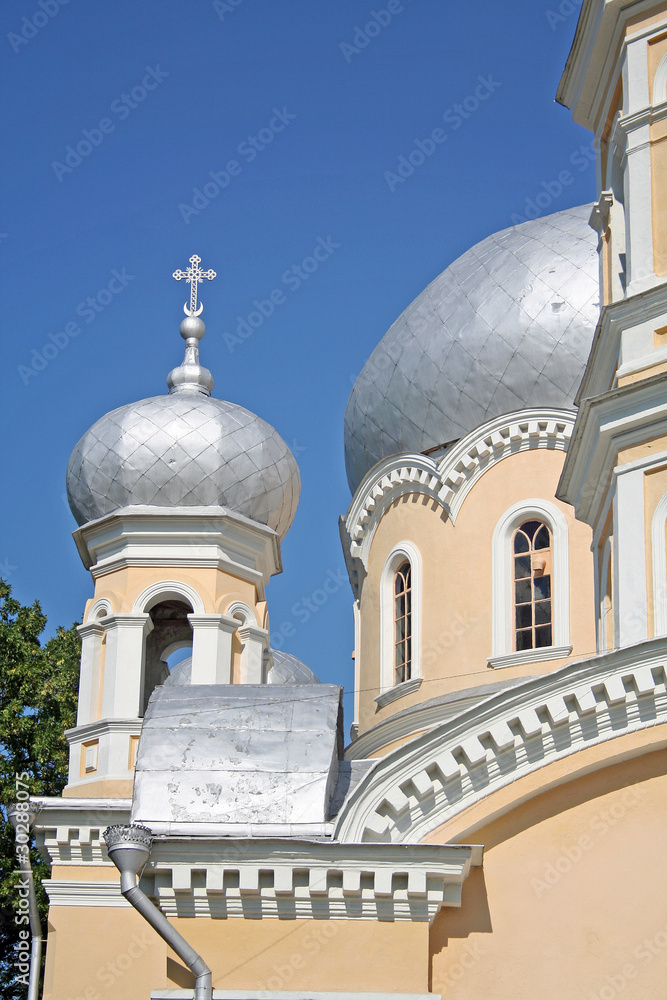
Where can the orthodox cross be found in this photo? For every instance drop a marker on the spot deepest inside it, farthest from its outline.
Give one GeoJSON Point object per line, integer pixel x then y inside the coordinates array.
{"type": "Point", "coordinates": [193, 275]}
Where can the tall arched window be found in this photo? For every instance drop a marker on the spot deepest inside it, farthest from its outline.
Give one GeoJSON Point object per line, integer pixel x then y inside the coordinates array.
{"type": "Point", "coordinates": [400, 623]}
{"type": "Point", "coordinates": [530, 585]}
{"type": "Point", "coordinates": [403, 623]}
{"type": "Point", "coordinates": [531, 547]}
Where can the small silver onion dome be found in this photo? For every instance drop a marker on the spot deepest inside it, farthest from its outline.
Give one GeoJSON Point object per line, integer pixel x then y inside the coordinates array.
{"type": "Point", "coordinates": [506, 326]}
{"type": "Point", "coordinates": [187, 450]}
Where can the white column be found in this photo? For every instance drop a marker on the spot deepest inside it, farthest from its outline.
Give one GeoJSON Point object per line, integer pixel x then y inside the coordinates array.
{"type": "Point", "coordinates": [124, 665]}
{"type": "Point", "coordinates": [630, 600]}
{"type": "Point", "coordinates": [91, 634]}
{"type": "Point", "coordinates": [254, 641]}
{"type": "Point", "coordinates": [638, 200]}
{"type": "Point", "coordinates": [212, 648]}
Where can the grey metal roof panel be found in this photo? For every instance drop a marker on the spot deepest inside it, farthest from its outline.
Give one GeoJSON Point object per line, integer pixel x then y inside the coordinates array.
{"type": "Point", "coordinates": [261, 754]}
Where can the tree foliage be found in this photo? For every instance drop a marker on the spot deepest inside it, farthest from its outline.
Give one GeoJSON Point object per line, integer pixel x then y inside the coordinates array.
{"type": "Point", "coordinates": [38, 692]}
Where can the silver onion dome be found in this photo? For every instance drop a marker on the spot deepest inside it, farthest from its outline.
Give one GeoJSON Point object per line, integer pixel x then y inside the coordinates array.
{"type": "Point", "coordinates": [506, 326]}
{"type": "Point", "coordinates": [187, 450]}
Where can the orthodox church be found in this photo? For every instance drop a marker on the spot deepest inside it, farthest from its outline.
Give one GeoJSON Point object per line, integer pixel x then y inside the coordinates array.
{"type": "Point", "coordinates": [489, 824]}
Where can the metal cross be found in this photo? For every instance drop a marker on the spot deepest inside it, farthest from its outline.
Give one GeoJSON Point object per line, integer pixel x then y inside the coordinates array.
{"type": "Point", "coordinates": [193, 275]}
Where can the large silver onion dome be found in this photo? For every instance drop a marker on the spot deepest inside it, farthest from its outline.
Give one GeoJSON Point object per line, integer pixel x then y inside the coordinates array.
{"type": "Point", "coordinates": [185, 449]}
{"type": "Point", "coordinates": [506, 326]}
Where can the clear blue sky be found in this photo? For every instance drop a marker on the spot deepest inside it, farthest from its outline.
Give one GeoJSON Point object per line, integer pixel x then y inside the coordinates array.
{"type": "Point", "coordinates": [169, 93]}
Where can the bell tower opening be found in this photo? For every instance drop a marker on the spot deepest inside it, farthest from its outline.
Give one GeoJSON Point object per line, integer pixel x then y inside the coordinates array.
{"type": "Point", "coordinates": [167, 644]}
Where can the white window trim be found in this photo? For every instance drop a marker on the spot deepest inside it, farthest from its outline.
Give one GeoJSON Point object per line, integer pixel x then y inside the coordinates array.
{"type": "Point", "coordinates": [503, 592]}
{"type": "Point", "coordinates": [659, 90]}
{"type": "Point", "coordinates": [399, 554]}
{"type": "Point", "coordinates": [659, 559]}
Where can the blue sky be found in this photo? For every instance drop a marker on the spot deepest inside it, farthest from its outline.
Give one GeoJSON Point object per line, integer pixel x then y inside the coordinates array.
{"type": "Point", "coordinates": [139, 133]}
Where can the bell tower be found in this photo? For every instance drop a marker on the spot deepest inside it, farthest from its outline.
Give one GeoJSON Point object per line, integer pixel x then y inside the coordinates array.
{"type": "Point", "coordinates": [182, 502]}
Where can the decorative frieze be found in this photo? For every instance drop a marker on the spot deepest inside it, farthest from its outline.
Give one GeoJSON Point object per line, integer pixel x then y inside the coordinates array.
{"type": "Point", "coordinates": [440, 774]}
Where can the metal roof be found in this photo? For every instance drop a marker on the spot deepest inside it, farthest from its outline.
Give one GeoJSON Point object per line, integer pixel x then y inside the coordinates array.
{"type": "Point", "coordinates": [506, 326]}
{"type": "Point", "coordinates": [230, 755]}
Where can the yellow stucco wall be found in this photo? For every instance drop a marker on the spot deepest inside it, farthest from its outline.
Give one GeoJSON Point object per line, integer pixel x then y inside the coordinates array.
{"type": "Point", "coordinates": [216, 587]}
{"type": "Point", "coordinates": [123, 956]}
{"type": "Point", "coordinates": [456, 637]}
{"type": "Point", "coordinates": [571, 900]}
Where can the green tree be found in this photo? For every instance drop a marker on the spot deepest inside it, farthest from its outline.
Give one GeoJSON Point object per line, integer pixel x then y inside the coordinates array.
{"type": "Point", "coordinates": [38, 692]}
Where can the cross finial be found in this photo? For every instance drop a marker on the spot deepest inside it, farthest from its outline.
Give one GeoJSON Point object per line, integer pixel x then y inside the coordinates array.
{"type": "Point", "coordinates": [193, 275]}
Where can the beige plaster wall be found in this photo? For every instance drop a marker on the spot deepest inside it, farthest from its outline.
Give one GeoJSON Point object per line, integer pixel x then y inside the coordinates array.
{"type": "Point", "coordinates": [102, 953]}
{"type": "Point", "coordinates": [571, 902]}
{"type": "Point", "coordinates": [105, 953]}
{"type": "Point", "coordinates": [216, 587]}
{"type": "Point", "coordinates": [456, 638]}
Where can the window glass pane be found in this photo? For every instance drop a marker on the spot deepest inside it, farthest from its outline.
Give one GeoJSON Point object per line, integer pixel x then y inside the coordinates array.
{"type": "Point", "coordinates": [521, 543]}
{"type": "Point", "coordinates": [521, 567]}
{"type": "Point", "coordinates": [543, 612]}
{"type": "Point", "coordinates": [543, 635]}
{"type": "Point", "coordinates": [399, 630]}
{"type": "Point", "coordinates": [400, 653]}
{"type": "Point", "coordinates": [530, 527]}
{"type": "Point", "coordinates": [542, 587]}
{"type": "Point", "coordinates": [399, 606]}
{"type": "Point", "coordinates": [524, 640]}
{"type": "Point", "coordinates": [522, 591]}
{"type": "Point", "coordinates": [524, 617]}
{"type": "Point", "coordinates": [408, 602]}
{"type": "Point", "coordinates": [407, 573]}
{"type": "Point", "coordinates": [400, 675]}
{"type": "Point", "coordinates": [542, 540]}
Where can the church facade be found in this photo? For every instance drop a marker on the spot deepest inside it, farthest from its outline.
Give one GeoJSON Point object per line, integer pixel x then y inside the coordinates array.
{"type": "Point", "coordinates": [493, 827]}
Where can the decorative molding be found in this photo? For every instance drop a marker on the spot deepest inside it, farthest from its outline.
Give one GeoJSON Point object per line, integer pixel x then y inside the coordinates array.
{"type": "Point", "coordinates": [503, 580]}
{"type": "Point", "coordinates": [68, 831]}
{"type": "Point", "coordinates": [180, 536]}
{"type": "Point", "coordinates": [416, 788]}
{"type": "Point", "coordinates": [275, 879]}
{"type": "Point", "coordinates": [614, 420]}
{"type": "Point", "coordinates": [449, 480]}
{"type": "Point", "coordinates": [398, 691]}
{"type": "Point", "coordinates": [529, 656]}
{"type": "Point", "coordinates": [103, 727]}
{"type": "Point", "coordinates": [169, 590]}
{"type": "Point", "coordinates": [83, 892]}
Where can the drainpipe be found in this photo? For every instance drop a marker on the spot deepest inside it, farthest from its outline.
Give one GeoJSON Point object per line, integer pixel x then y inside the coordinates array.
{"type": "Point", "coordinates": [129, 848]}
{"type": "Point", "coordinates": [22, 815]}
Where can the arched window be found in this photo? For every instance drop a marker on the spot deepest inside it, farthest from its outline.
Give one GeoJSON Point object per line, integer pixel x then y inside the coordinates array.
{"type": "Point", "coordinates": [403, 623]}
{"type": "Point", "coordinates": [400, 623]}
{"type": "Point", "coordinates": [531, 547]}
{"type": "Point", "coordinates": [530, 585]}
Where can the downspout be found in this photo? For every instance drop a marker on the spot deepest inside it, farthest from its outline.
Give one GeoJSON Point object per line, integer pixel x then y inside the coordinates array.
{"type": "Point", "coordinates": [22, 816]}
{"type": "Point", "coordinates": [129, 848]}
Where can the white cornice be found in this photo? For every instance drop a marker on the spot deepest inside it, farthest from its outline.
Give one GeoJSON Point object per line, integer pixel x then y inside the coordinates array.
{"type": "Point", "coordinates": [594, 65]}
{"type": "Point", "coordinates": [307, 879]}
{"type": "Point", "coordinates": [173, 536]}
{"type": "Point", "coordinates": [607, 423]}
{"type": "Point", "coordinates": [604, 358]}
{"type": "Point", "coordinates": [282, 879]}
{"type": "Point", "coordinates": [438, 775]}
{"type": "Point", "coordinates": [69, 830]}
{"type": "Point", "coordinates": [102, 727]}
{"type": "Point", "coordinates": [448, 480]}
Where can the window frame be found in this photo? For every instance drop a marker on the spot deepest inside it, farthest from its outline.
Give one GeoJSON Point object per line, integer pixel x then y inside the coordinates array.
{"type": "Point", "coordinates": [503, 653]}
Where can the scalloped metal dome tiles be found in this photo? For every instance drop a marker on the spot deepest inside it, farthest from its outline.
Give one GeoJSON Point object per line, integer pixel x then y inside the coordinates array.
{"type": "Point", "coordinates": [506, 326]}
